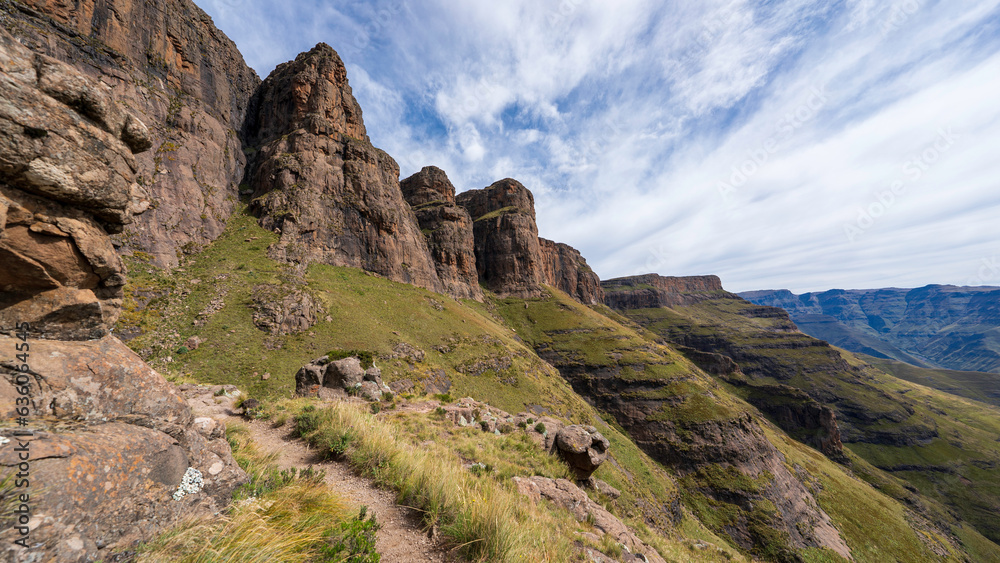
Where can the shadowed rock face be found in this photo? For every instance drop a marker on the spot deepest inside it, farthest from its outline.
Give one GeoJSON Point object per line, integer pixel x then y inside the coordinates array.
{"type": "Point", "coordinates": [566, 269]}
{"type": "Point", "coordinates": [67, 177]}
{"type": "Point", "coordinates": [318, 181]}
{"type": "Point", "coordinates": [508, 254]}
{"type": "Point", "coordinates": [448, 229]}
{"type": "Point", "coordinates": [168, 64]}
{"type": "Point", "coordinates": [110, 438]}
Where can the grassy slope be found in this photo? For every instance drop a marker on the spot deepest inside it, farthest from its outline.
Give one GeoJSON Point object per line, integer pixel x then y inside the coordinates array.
{"type": "Point", "coordinates": [959, 468]}
{"type": "Point", "coordinates": [874, 525]}
{"type": "Point", "coordinates": [373, 314]}
{"type": "Point", "coordinates": [976, 385]}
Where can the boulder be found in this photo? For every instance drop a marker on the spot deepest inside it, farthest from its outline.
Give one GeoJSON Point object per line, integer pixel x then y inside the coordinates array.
{"type": "Point", "coordinates": [583, 448]}
{"type": "Point", "coordinates": [343, 374]}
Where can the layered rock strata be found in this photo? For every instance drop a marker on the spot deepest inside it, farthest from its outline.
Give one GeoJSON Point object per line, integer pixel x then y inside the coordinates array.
{"type": "Point", "coordinates": [448, 229]}
{"type": "Point", "coordinates": [564, 268]}
{"type": "Point", "coordinates": [177, 73]}
{"type": "Point", "coordinates": [651, 291]}
{"type": "Point", "coordinates": [107, 438]}
{"type": "Point", "coordinates": [508, 254]}
{"type": "Point", "coordinates": [319, 182]}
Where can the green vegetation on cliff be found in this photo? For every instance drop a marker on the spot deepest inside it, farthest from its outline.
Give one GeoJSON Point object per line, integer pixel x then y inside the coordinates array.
{"type": "Point", "coordinates": [943, 446]}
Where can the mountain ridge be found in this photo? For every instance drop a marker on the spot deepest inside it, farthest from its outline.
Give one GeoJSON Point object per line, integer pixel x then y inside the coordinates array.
{"type": "Point", "coordinates": [250, 226]}
{"type": "Point", "coordinates": [940, 326]}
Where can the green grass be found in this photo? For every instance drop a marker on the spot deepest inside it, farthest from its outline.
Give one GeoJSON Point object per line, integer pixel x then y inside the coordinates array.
{"type": "Point", "coordinates": [469, 342]}
{"type": "Point", "coordinates": [976, 385]}
{"type": "Point", "coordinates": [889, 422]}
{"type": "Point", "coordinates": [278, 516]}
{"type": "Point", "coordinates": [487, 351]}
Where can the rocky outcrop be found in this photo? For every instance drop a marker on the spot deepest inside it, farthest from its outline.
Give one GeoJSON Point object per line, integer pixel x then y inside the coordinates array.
{"type": "Point", "coordinates": [279, 309]}
{"type": "Point", "coordinates": [583, 449]}
{"type": "Point", "coordinates": [651, 291]}
{"type": "Point", "coordinates": [564, 268]}
{"type": "Point", "coordinates": [108, 439]}
{"type": "Point", "coordinates": [508, 254]}
{"type": "Point", "coordinates": [448, 229]}
{"type": "Point", "coordinates": [321, 376]}
{"type": "Point", "coordinates": [169, 65]}
{"type": "Point", "coordinates": [110, 444]}
{"type": "Point", "coordinates": [568, 496]}
{"type": "Point", "coordinates": [67, 177]}
{"type": "Point", "coordinates": [318, 181]}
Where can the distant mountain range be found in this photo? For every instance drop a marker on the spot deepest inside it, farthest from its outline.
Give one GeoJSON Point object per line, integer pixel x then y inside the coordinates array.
{"type": "Point", "coordinates": [938, 326]}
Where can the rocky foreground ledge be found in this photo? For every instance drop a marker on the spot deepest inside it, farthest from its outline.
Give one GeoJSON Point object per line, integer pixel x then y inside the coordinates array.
{"type": "Point", "coordinates": [97, 442]}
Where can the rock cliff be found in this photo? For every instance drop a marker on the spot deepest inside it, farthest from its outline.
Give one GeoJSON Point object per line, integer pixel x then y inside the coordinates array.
{"type": "Point", "coordinates": [448, 229]}
{"type": "Point", "coordinates": [508, 254]}
{"type": "Point", "coordinates": [180, 75]}
{"type": "Point", "coordinates": [650, 291]}
{"type": "Point", "coordinates": [319, 182]}
{"type": "Point", "coordinates": [108, 439]}
{"type": "Point", "coordinates": [564, 268]}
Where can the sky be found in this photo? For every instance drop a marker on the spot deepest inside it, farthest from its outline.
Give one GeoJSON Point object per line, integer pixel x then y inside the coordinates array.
{"type": "Point", "coordinates": [787, 144]}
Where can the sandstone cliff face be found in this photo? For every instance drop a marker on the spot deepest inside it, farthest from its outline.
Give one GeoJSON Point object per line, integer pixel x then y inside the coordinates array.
{"type": "Point", "coordinates": [109, 438]}
{"type": "Point", "coordinates": [318, 181]}
{"type": "Point", "coordinates": [508, 254]}
{"type": "Point", "coordinates": [67, 174]}
{"type": "Point", "coordinates": [566, 269]}
{"type": "Point", "coordinates": [651, 291]}
{"type": "Point", "coordinates": [448, 229]}
{"type": "Point", "coordinates": [169, 65]}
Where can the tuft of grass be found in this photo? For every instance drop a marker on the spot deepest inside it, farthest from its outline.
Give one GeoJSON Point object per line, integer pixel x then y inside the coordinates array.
{"type": "Point", "coordinates": [286, 516]}
{"type": "Point", "coordinates": [485, 520]}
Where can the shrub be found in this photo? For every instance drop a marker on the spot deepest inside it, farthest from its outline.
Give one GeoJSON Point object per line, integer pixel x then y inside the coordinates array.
{"type": "Point", "coordinates": [367, 358]}
{"type": "Point", "coordinates": [540, 428]}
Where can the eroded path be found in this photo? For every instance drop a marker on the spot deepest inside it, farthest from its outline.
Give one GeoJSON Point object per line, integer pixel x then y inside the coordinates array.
{"type": "Point", "coordinates": [401, 538]}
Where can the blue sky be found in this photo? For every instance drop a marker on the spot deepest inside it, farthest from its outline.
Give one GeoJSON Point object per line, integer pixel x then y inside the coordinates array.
{"type": "Point", "coordinates": [775, 143]}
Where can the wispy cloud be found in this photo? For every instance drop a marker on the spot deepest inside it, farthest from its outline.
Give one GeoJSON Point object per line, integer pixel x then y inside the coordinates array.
{"type": "Point", "coordinates": [629, 119]}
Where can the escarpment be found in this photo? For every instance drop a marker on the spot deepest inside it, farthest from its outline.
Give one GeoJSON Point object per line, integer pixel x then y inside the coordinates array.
{"type": "Point", "coordinates": [448, 229]}
{"type": "Point", "coordinates": [651, 290]}
{"type": "Point", "coordinates": [317, 179]}
{"type": "Point", "coordinates": [508, 254]}
{"type": "Point", "coordinates": [565, 268]}
{"type": "Point", "coordinates": [180, 76]}
{"type": "Point", "coordinates": [107, 438]}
